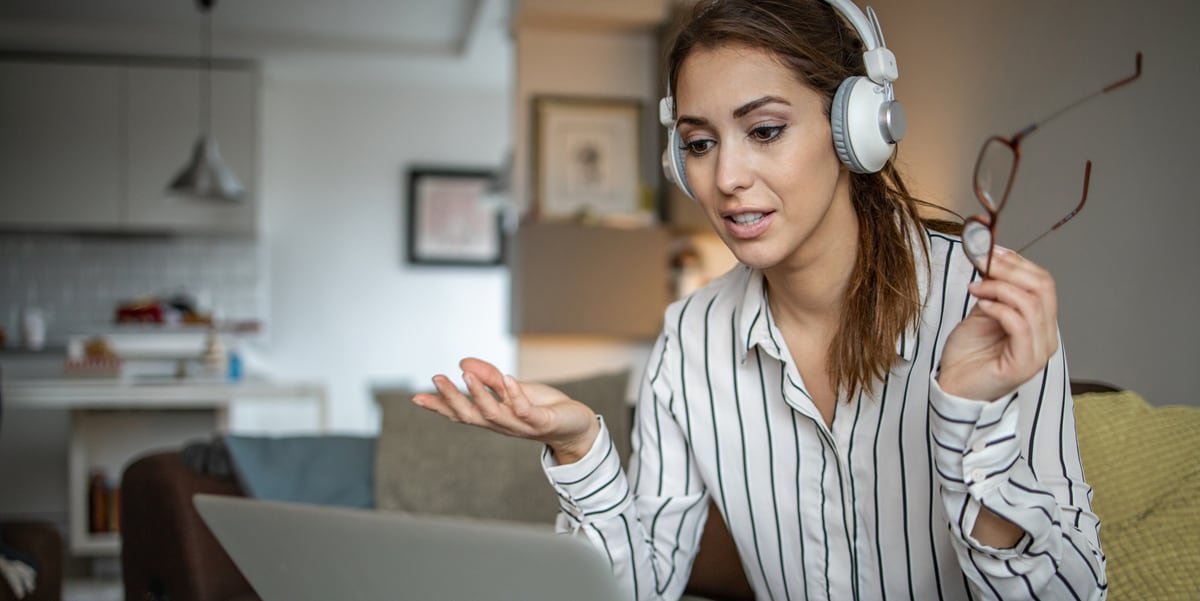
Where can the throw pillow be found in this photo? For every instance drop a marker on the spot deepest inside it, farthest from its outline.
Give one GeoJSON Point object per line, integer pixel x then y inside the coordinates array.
{"type": "Point", "coordinates": [427, 464]}
{"type": "Point", "coordinates": [322, 470]}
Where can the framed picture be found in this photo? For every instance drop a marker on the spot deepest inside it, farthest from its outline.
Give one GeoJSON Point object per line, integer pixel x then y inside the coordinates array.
{"type": "Point", "coordinates": [586, 160]}
{"type": "Point", "coordinates": [450, 221]}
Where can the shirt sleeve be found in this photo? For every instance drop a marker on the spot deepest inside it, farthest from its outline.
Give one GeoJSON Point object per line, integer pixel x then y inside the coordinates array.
{"type": "Point", "coordinates": [648, 522]}
{"type": "Point", "coordinates": [1017, 456]}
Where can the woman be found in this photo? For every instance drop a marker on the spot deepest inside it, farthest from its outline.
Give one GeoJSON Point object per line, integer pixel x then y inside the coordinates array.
{"type": "Point", "coordinates": [871, 417]}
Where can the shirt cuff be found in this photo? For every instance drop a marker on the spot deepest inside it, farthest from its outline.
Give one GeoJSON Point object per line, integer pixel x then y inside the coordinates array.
{"type": "Point", "coordinates": [976, 441]}
{"type": "Point", "coordinates": [593, 487]}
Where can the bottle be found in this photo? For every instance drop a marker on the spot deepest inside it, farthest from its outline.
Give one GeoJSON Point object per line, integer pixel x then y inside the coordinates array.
{"type": "Point", "coordinates": [214, 354]}
{"type": "Point", "coordinates": [97, 502]}
{"type": "Point", "coordinates": [234, 361]}
{"type": "Point", "coordinates": [33, 328]}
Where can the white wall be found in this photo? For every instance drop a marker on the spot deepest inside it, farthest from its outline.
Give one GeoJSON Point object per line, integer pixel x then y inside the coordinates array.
{"type": "Point", "coordinates": [1126, 266]}
{"type": "Point", "coordinates": [345, 307]}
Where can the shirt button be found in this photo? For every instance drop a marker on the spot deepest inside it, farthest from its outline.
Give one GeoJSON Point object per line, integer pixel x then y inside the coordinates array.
{"type": "Point", "coordinates": [979, 445]}
{"type": "Point", "coordinates": [978, 475]}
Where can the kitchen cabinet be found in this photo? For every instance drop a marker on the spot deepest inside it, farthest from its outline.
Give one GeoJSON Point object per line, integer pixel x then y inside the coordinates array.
{"type": "Point", "coordinates": [60, 153]}
{"type": "Point", "coordinates": [91, 144]}
{"type": "Point", "coordinates": [164, 118]}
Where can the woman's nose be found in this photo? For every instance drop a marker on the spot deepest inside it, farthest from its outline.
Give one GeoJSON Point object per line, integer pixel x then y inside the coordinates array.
{"type": "Point", "coordinates": [733, 172]}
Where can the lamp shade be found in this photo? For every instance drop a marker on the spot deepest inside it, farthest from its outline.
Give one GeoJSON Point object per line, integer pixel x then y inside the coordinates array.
{"type": "Point", "coordinates": [207, 176]}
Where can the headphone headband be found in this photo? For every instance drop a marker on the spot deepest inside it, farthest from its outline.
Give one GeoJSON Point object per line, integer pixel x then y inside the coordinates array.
{"type": "Point", "coordinates": [865, 117]}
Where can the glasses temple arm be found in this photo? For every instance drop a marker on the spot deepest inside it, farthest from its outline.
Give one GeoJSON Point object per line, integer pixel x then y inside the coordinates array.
{"type": "Point", "coordinates": [1112, 86]}
{"type": "Point", "coordinates": [1087, 178]}
{"type": "Point", "coordinates": [1108, 88]}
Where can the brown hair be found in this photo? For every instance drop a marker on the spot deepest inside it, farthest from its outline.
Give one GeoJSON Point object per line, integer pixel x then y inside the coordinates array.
{"type": "Point", "coordinates": [810, 38]}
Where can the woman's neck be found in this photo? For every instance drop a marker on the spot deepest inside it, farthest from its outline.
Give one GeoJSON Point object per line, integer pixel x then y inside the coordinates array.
{"type": "Point", "coordinates": [809, 289]}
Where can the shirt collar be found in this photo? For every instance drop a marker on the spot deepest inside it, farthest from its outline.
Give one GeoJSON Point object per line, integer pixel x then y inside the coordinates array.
{"type": "Point", "coordinates": [753, 319]}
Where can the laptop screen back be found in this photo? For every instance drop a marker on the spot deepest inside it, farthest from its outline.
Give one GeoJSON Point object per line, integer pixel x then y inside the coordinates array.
{"type": "Point", "coordinates": [293, 552]}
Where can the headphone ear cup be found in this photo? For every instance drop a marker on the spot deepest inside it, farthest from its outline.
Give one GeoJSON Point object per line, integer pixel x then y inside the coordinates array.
{"type": "Point", "coordinates": [674, 165]}
{"type": "Point", "coordinates": [855, 118]}
{"type": "Point", "coordinates": [840, 125]}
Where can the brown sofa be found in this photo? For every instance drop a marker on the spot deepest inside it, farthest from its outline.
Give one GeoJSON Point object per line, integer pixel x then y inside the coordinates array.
{"type": "Point", "coordinates": [166, 551]}
{"type": "Point", "coordinates": [42, 542]}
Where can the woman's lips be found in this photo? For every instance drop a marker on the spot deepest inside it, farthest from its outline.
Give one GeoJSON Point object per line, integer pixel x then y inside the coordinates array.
{"type": "Point", "coordinates": [745, 226]}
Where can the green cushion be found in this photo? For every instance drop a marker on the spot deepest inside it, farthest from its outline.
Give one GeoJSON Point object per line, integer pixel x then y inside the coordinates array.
{"type": "Point", "coordinates": [1141, 462]}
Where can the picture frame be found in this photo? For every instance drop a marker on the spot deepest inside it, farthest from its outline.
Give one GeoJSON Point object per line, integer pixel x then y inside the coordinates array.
{"type": "Point", "coordinates": [587, 160]}
{"type": "Point", "coordinates": [450, 220]}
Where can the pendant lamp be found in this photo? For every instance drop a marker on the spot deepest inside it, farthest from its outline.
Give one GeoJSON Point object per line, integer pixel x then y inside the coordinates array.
{"type": "Point", "coordinates": [206, 176]}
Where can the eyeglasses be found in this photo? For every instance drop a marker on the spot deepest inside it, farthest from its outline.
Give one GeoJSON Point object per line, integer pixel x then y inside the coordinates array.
{"type": "Point", "coordinates": [995, 170]}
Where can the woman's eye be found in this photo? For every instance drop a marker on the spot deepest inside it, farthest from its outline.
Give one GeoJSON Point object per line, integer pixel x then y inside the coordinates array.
{"type": "Point", "coordinates": [698, 147]}
{"type": "Point", "coordinates": [767, 133]}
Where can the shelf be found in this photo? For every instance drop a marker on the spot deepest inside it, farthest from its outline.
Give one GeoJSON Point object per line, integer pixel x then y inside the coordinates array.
{"type": "Point", "coordinates": [97, 544]}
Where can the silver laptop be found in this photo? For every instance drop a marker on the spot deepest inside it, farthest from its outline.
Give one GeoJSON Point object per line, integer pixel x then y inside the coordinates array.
{"type": "Point", "coordinates": [294, 552]}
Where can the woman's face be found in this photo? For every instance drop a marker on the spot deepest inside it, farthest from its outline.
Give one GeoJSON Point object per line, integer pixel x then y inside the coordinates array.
{"type": "Point", "coordinates": [760, 158]}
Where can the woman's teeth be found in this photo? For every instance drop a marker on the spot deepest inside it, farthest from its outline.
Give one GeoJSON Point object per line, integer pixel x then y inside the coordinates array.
{"type": "Point", "coordinates": [746, 218]}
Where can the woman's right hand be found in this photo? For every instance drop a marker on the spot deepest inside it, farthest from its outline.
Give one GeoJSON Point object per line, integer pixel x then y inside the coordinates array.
{"type": "Point", "coordinates": [521, 409]}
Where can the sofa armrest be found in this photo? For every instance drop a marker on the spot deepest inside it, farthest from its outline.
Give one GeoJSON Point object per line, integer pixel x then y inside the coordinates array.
{"type": "Point", "coordinates": [44, 544]}
{"type": "Point", "coordinates": [166, 550]}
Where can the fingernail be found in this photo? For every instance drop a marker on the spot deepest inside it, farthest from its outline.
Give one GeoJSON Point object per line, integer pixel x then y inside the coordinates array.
{"type": "Point", "coordinates": [468, 379]}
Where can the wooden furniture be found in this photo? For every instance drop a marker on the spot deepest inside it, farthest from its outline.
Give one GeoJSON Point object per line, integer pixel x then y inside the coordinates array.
{"type": "Point", "coordinates": [116, 420]}
{"type": "Point", "coordinates": [42, 542]}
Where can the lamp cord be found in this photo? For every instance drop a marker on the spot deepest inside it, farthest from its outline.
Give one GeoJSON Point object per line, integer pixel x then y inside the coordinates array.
{"type": "Point", "coordinates": [206, 78]}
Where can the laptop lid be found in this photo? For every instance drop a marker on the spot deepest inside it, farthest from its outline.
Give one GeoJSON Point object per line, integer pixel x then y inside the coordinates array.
{"type": "Point", "coordinates": [296, 552]}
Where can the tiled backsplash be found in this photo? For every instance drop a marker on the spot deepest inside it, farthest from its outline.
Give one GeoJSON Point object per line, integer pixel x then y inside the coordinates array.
{"type": "Point", "coordinates": [78, 281]}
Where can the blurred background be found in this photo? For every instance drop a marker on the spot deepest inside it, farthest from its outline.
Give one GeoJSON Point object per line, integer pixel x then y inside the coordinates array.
{"type": "Point", "coordinates": [325, 108]}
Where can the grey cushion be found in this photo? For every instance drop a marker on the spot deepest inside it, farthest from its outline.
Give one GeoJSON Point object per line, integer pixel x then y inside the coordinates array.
{"type": "Point", "coordinates": [323, 470]}
{"type": "Point", "coordinates": [425, 463]}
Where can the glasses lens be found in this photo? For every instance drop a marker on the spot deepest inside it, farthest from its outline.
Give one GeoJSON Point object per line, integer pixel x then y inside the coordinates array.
{"type": "Point", "coordinates": [977, 242]}
{"type": "Point", "coordinates": [993, 173]}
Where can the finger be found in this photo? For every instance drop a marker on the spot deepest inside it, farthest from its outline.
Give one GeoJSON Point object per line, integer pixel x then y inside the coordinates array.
{"type": "Point", "coordinates": [486, 405]}
{"type": "Point", "coordinates": [1016, 329]}
{"type": "Point", "coordinates": [461, 408]}
{"type": "Point", "coordinates": [1029, 288]}
{"type": "Point", "coordinates": [521, 406]}
{"type": "Point", "coordinates": [434, 403]}
{"type": "Point", "coordinates": [1011, 267]}
{"type": "Point", "coordinates": [487, 373]}
{"type": "Point", "coordinates": [1038, 326]}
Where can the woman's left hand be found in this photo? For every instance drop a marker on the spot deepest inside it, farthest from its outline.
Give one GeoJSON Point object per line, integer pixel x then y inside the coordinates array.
{"type": "Point", "coordinates": [1009, 335]}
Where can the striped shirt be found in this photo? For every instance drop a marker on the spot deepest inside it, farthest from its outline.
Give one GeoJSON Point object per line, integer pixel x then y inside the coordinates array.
{"type": "Point", "coordinates": [879, 506]}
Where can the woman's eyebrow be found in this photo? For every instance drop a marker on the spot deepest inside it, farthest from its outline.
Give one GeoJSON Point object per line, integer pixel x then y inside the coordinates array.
{"type": "Point", "coordinates": [745, 109]}
{"type": "Point", "coordinates": [739, 112]}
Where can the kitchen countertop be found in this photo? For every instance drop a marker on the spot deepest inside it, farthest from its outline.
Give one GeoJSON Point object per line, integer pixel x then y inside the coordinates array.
{"type": "Point", "coordinates": [149, 392]}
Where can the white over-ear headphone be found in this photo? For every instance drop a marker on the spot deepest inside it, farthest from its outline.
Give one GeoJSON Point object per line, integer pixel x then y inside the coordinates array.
{"type": "Point", "coordinates": [866, 118]}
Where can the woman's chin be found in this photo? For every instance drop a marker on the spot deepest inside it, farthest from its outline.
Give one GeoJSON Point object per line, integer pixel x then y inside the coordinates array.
{"type": "Point", "coordinates": [754, 255]}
